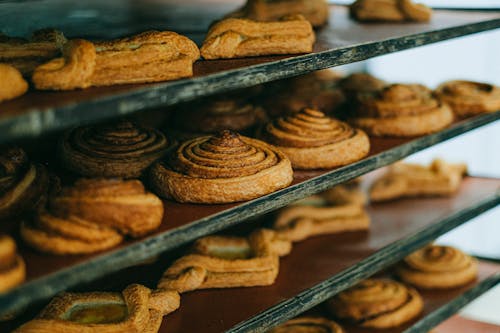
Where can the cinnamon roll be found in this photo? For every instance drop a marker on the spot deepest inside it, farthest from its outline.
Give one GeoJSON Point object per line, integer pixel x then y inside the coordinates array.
{"type": "Point", "coordinates": [468, 98]}
{"type": "Point", "coordinates": [121, 149]}
{"type": "Point", "coordinates": [12, 84]}
{"type": "Point", "coordinates": [360, 83]}
{"type": "Point", "coordinates": [312, 140]}
{"type": "Point", "coordinates": [12, 267]}
{"type": "Point", "coordinates": [308, 325]}
{"type": "Point", "coordinates": [390, 10]}
{"type": "Point", "coordinates": [223, 168]}
{"type": "Point", "coordinates": [438, 267]}
{"type": "Point", "coordinates": [377, 303]}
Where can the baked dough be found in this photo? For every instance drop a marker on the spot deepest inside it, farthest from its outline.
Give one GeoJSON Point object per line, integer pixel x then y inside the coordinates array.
{"type": "Point", "coordinates": [308, 325]}
{"type": "Point", "coordinates": [136, 309]}
{"type": "Point", "coordinates": [151, 56]}
{"type": "Point", "coordinates": [226, 262]}
{"type": "Point", "coordinates": [390, 10]}
{"type": "Point", "coordinates": [12, 84]}
{"type": "Point", "coordinates": [377, 303]}
{"type": "Point", "coordinates": [410, 180]}
{"type": "Point", "coordinates": [12, 267]}
{"type": "Point", "coordinates": [438, 267]}
{"type": "Point", "coordinates": [346, 193]}
{"type": "Point", "coordinates": [121, 149]}
{"type": "Point", "coordinates": [237, 38]}
{"type": "Point", "coordinates": [223, 168]}
{"type": "Point", "coordinates": [360, 83]}
{"type": "Point", "coordinates": [312, 140]}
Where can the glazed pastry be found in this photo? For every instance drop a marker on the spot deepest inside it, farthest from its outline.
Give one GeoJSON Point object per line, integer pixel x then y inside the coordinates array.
{"type": "Point", "coordinates": [438, 267]}
{"type": "Point", "coordinates": [12, 84]}
{"type": "Point", "coordinates": [468, 98]}
{"type": "Point", "coordinates": [22, 184]}
{"type": "Point", "coordinates": [346, 193]}
{"type": "Point", "coordinates": [121, 149]}
{"type": "Point", "coordinates": [390, 10]}
{"type": "Point", "coordinates": [135, 309]}
{"type": "Point", "coordinates": [223, 168]}
{"type": "Point", "coordinates": [12, 267]}
{"type": "Point", "coordinates": [226, 262]}
{"type": "Point", "coordinates": [312, 140]}
{"type": "Point", "coordinates": [410, 180]}
{"type": "Point", "coordinates": [237, 38]}
{"type": "Point", "coordinates": [151, 56]}
{"type": "Point", "coordinates": [400, 110]}
{"type": "Point", "coordinates": [308, 325]}
{"type": "Point", "coordinates": [377, 303]}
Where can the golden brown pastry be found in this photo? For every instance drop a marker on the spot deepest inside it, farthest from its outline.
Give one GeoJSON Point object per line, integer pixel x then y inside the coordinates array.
{"type": "Point", "coordinates": [223, 168]}
{"type": "Point", "coordinates": [410, 180]}
{"type": "Point", "coordinates": [227, 262]}
{"type": "Point", "coordinates": [151, 56]}
{"type": "Point", "coordinates": [346, 193]}
{"type": "Point", "coordinates": [468, 98]}
{"type": "Point", "coordinates": [308, 325]}
{"type": "Point", "coordinates": [12, 267]}
{"type": "Point", "coordinates": [377, 303]}
{"type": "Point", "coordinates": [12, 84]}
{"type": "Point", "coordinates": [237, 38]}
{"type": "Point", "coordinates": [360, 83]}
{"type": "Point", "coordinates": [390, 10]}
{"type": "Point", "coordinates": [312, 140]}
{"type": "Point", "coordinates": [438, 267]}
{"type": "Point", "coordinates": [136, 309]}
{"type": "Point", "coordinates": [400, 110]}
{"type": "Point", "coordinates": [121, 149]}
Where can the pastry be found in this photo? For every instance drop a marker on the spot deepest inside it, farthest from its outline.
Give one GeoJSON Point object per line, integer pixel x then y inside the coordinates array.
{"type": "Point", "coordinates": [151, 56]}
{"type": "Point", "coordinates": [308, 325]}
{"type": "Point", "coordinates": [410, 180]}
{"type": "Point", "coordinates": [136, 309]}
{"type": "Point", "coordinates": [237, 38]}
{"type": "Point", "coordinates": [360, 83]}
{"type": "Point", "coordinates": [438, 267]}
{"type": "Point", "coordinates": [468, 98]}
{"type": "Point", "coordinates": [226, 262]}
{"type": "Point", "coordinates": [377, 303]}
{"type": "Point", "coordinates": [346, 193]}
{"type": "Point", "coordinates": [312, 140]}
{"type": "Point", "coordinates": [12, 267]}
{"type": "Point", "coordinates": [222, 168]}
{"type": "Point", "coordinates": [12, 84]}
{"type": "Point", "coordinates": [390, 10]}
{"type": "Point", "coordinates": [121, 149]}
{"type": "Point", "coordinates": [400, 110]}
{"type": "Point", "coordinates": [22, 184]}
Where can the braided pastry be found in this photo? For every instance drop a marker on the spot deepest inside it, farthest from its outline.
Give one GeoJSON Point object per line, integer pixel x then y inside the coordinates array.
{"type": "Point", "coordinates": [312, 140]}
{"type": "Point", "coordinates": [12, 84]}
{"type": "Point", "coordinates": [136, 309]}
{"type": "Point", "coordinates": [121, 149]}
{"type": "Point", "coordinates": [468, 98]}
{"type": "Point", "coordinates": [390, 10]}
{"type": "Point", "coordinates": [308, 325]}
{"type": "Point", "coordinates": [223, 168]}
{"type": "Point", "coordinates": [12, 267]}
{"type": "Point", "coordinates": [377, 303]}
{"type": "Point", "coordinates": [236, 38]}
{"type": "Point", "coordinates": [438, 267]}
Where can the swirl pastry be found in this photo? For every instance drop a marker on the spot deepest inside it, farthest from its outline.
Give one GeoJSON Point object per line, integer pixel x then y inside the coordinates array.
{"type": "Point", "coordinates": [308, 325]}
{"type": "Point", "coordinates": [135, 309]}
{"type": "Point", "coordinates": [312, 140]}
{"type": "Point", "coordinates": [438, 267]}
{"type": "Point", "coordinates": [12, 267]}
{"type": "Point", "coordinates": [121, 149]}
{"type": "Point", "coordinates": [390, 10]}
{"type": "Point", "coordinates": [151, 56]}
{"type": "Point", "coordinates": [223, 168]}
{"type": "Point", "coordinates": [468, 98]}
{"type": "Point", "coordinates": [410, 180]}
{"type": "Point", "coordinates": [236, 38]}
{"type": "Point", "coordinates": [360, 83]}
{"type": "Point", "coordinates": [12, 84]}
{"type": "Point", "coordinates": [22, 184]}
{"type": "Point", "coordinates": [400, 110]}
{"type": "Point", "coordinates": [227, 262]}
{"type": "Point", "coordinates": [377, 303]}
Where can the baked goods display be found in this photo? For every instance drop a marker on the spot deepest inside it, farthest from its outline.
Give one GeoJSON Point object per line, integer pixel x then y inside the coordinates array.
{"type": "Point", "coordinates": [12, 267]}
{"type": "Point", "coordinates": [222, 168]}
{"type": "Point", "coordinates": [390, 10]}
{"type": "Point", "coordinates": [236, 38]}
{"type": "Point", "coordinates": [308, 325]}
{"type": "Point", "coordinates": [377, 303]}
{"type": "Point", "coordinates": [468, 98]}
{"type": "Point", "coordinates": [12, 84]}
{"type": "Point", "coordinates": [121, 149]}
{"type": "Point", "coordinates": [135, 309]}
{"type": "Point", "coordinates": [437, 267]}
{"type": "Point", "coordinates": [409, 180]}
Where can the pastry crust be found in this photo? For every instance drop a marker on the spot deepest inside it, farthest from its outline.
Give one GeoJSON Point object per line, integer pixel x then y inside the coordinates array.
{"type": "Point", "coordinates": [312, 140]}
{"type": "Point", "coordinates": [12, 84]}
{"type": "Point", "coordinates": [12, 267]}
{"type": "Point", "coordinates": [151, 56]}
{"type": "Point", "coordinates": [438, 267]}
{"type": "Point", "coordinates": [468, 98]}
{"type": "Point", "coordinates": [236, 38]}
{"type": "Point", "coordinates": [136, 309]}
{"type": "Point", "coordinates": [377, 303]}
{"type": "Point", "coordinates": [220, 169]}
{"type": "Point", "coordinates": [360, 83]}
{"type": "Point", "coordinates": [308, 325]}
{"type": "Point", "coordinates": [121, 149]}
{"type": "Point", "coordinates": [390, 10]}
